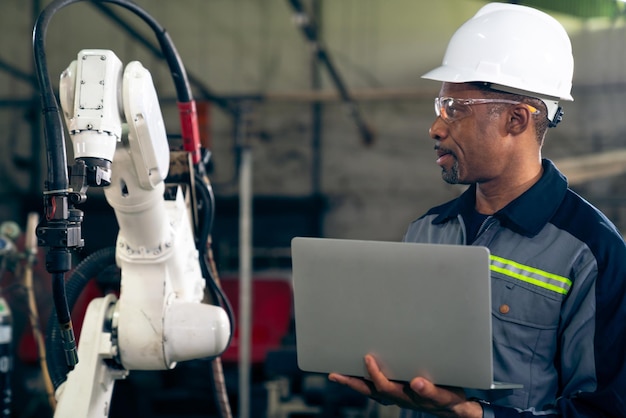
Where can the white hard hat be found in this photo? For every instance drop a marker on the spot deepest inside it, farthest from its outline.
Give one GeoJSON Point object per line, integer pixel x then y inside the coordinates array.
{"type": "Point", "coordinates": [516, 49]}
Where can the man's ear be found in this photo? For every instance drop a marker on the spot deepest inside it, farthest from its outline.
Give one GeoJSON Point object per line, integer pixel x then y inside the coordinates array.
{"type": "Point", "coordinates": [519, 119]}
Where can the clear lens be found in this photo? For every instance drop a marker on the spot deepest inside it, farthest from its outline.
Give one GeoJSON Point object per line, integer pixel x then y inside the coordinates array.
{"type": "Point", "coordinates": [451, 109]}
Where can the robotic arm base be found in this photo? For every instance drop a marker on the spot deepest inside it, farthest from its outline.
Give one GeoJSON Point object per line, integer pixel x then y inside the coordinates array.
{"type": "Point", "coordinates": [88, 388]}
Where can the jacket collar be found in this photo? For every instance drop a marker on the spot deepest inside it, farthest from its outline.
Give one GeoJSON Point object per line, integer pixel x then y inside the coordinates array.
{"type": "Point", "coordinates": [528, 213]}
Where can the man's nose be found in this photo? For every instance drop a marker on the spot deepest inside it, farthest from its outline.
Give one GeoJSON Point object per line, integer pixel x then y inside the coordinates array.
{"type": "Point", "coordinates": [438, 129]}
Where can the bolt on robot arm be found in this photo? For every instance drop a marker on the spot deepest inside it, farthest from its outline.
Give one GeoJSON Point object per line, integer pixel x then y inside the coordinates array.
{"type": "Point", "coordinates": [159, 318]}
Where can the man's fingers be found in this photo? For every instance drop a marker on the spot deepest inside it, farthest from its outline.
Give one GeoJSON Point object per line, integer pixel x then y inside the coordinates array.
{"type": "Point", "coordinates": [423, 387]}
{"type": "Point", "coordinates": [384, 390]}
{"type": "Point", "coordinates": [364, 386]}
{"type": "Point", "coordinates": [381, 383]}
{"type": "Point", "coordinates": [438, 395]}
{"type": "Point", "coordinates": [419, 394]}
{"type": "Point", "coordinates": [354, 383]}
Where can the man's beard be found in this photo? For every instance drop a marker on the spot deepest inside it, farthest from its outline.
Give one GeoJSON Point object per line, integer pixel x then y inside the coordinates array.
{"type": "Point", "coordinates": [451, 176]}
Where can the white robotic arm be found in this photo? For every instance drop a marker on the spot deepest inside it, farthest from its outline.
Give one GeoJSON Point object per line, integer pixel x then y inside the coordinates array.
{"type": "Point", "coordinates": [159, 318]}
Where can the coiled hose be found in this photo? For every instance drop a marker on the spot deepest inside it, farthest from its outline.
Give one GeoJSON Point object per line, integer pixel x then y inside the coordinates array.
{"type": "Point", "coordinates": [76, 283]}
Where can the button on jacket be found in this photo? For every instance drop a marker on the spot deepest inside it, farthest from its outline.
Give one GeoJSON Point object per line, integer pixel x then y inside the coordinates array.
{"type": "Point", "coordinates": [558, 274]}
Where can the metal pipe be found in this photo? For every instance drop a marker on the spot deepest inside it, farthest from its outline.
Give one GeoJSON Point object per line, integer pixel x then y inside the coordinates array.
{"type": "Point", "coordinates": [310, 30]}
{"type": "Point", "coordinates": [317, 110]}
{"type": "Point", "coordinates": [245, 279]}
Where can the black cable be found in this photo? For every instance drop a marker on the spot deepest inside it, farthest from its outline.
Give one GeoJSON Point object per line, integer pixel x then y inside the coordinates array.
{"type": "Point", "coordinates": [57, 184]}
{"type": "Point", "coordinates": [208, 200]}
{"type": "Point", "coordinates": [84, 272]}
{"type": "Point", "coordinates": [58, 290]}
{"type": "Point", "coordinates": [177, 69]}
{"type": "Point", "coordinates": [205, 195]}
{"type": "Point", "coordinates": [53, 125]}
{"type": "Point", "coordinates": [204, 91]}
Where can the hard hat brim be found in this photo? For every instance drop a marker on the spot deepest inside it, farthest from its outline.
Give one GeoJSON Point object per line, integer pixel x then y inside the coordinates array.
{"type": "Point", "coordinates": [455, 75]}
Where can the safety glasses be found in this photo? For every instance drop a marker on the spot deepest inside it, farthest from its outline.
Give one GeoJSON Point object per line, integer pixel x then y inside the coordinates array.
{"type": "Point", "coordinates": [451, 109]}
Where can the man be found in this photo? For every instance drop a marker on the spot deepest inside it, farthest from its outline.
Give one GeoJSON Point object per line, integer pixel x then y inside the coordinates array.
{"type": "Point", "coordinates": [558, 265]}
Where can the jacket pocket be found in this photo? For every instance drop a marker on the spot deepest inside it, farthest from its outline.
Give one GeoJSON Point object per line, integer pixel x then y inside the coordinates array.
{"type": "Point", "coordinates": [525, 328]}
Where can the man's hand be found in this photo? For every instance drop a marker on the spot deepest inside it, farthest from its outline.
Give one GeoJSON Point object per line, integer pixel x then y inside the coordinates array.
{"type": "Point", "coordinates": [419, 394]}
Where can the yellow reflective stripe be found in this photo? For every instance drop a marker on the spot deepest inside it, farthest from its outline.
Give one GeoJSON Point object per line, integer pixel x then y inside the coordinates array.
{"type": "Point", "coordinates": [540, 278]}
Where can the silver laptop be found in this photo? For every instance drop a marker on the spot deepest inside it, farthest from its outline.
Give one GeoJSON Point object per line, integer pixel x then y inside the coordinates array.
{"type": "Point", "coordinates": [420, 309]}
